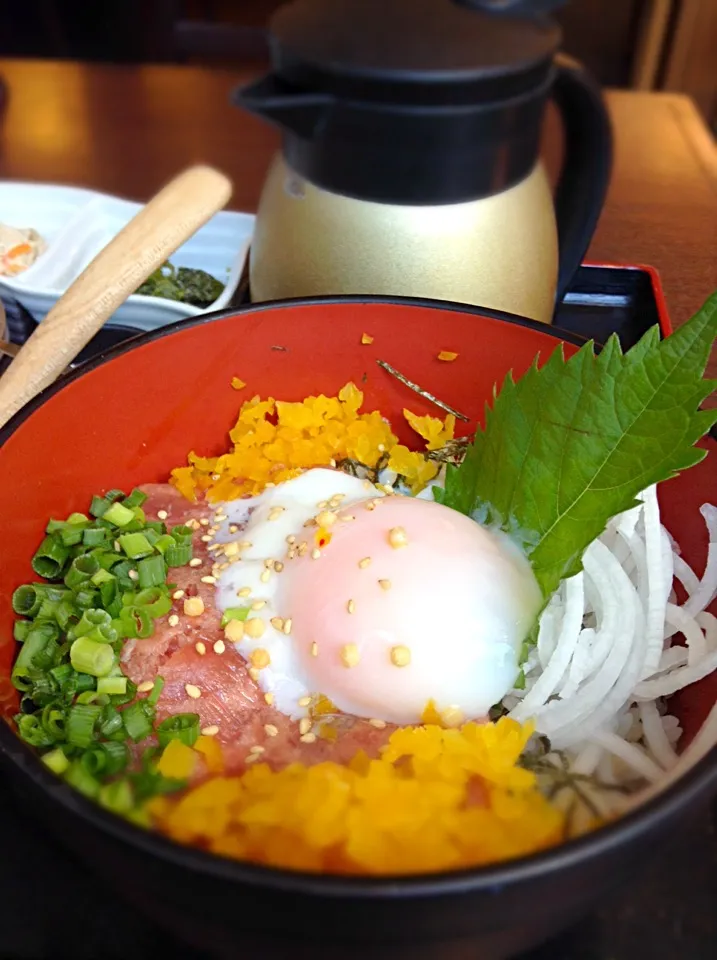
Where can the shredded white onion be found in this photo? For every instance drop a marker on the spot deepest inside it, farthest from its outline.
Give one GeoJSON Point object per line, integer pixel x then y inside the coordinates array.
{"type": "Point", "coordinates": [605, 655]}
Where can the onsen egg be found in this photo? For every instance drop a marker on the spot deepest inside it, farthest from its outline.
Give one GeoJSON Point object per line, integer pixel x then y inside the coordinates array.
{"type": "Point", "coordinates": [406, 602]}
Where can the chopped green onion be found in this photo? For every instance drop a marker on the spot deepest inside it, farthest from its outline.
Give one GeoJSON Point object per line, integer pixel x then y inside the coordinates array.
{"type": "Point", "coordinates": [152, 536]}
{"type": "Point", "coordinates": [81, 780]}
{"type": "Point", "coordinates": [182, 726]}
{"type": "Point", "coordinates": [82, 569]}
{"type": "Point", "coordinates": [126, 697]}
{"type": "Point", "coordinates": [152, 571]}
{"type": "Point", "coordinates": [53, 721]}
{"type": "Point", "coordinates": [112, 685]}
{"type": "Point", "coordinates": [80, 725]}
{"type": "Point", "coordinates": [107, 759]}
{"type": "Point", "coordinates": [56, 761]}
{"type": "Point", "coordinates": [136, 622]}
{"type": "Point", "coordinates": [137, 719]}
{"type": "Point", "coordinates": [48, 610]}
{"type": "Point", "coordinates": [154, 600]}
{"type": "Point", "coordinates": [71, 535]}
{"type": "Point", "coordinates": [63, 675]}
{"type": "Point", "coordinates": [67, 614]}
{"type": "Point", "coordinates": [20, 630]}
{"type": "Point", "coordinates": [164, 542]}
{"type": "Point", "coordinates": [50, 560]}
{"type": "Point", "coordinates": [37, 654]}
{"type": "Point", "coordinates": [94, 536]}
{"type": "Point", "coordinates": [178, 555]}
{"type": "Point", "coordinates": [117, 797]}
{"type": "Point", "coordinates": [31, 731]}
{"type": "Point", "coordinates": [26, 600]}
{"type": "Point", "coordinates": [85, 598]}
{"type": "Point", "coordinates": [155, 692]}
{"type": "Point", "coordinates": [99, 506]}
{"type": "Point", "coordinates": [89, 656]}
{"type": "Point", "coordinates": [102, 576]}
{"type": "Point", "coordinates": [139, 516]}
{"type": "Point", "coordinates": [94, 617]}
{"type": "Point", "coordinates": [114, 494]}
{"type": "Point", "coordinates": [87, 696]}
{"type": "Point", "coordinates": [119, 515]}
{"type": "Point", "coordinates": [135, 498]}
{"type": "Point", "coordinates": [182, 533]}
{"type": "Point", "coordinates": [234, 613]}
{"type": "Point", "coordinates": [135, 545]}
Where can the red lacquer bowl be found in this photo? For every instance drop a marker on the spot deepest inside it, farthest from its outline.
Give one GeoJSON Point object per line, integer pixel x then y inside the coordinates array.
{"type": "Point", "coordinates": [129, 417]}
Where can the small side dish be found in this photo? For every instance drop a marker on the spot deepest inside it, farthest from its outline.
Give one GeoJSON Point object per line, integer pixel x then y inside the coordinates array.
{"type": "Point", "coordinates": [19, 249]}
{"type": "Point", "coordinates": [325, 650]}
{"type": "Point", "coordinates": [185, 284]}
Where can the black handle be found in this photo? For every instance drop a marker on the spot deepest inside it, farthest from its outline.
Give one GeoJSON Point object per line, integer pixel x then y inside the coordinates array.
{"type": "Point", "coordinates": [586, 168]}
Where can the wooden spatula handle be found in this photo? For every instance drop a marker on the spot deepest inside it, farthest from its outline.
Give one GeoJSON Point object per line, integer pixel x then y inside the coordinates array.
{"type": "Point", "coordinates": [163, 225]}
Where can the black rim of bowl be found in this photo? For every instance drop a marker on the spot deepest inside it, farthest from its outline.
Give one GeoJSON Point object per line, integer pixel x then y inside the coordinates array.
{"type": "Point", "coordinates": [689, 788]}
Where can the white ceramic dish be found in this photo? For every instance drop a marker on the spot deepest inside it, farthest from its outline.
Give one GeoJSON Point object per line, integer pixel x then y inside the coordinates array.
{"type": "Point", "coordinates": [77, 223]}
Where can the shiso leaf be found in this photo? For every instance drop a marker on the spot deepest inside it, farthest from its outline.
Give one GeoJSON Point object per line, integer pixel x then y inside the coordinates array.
{"type": "Point", "coordinates": [571, 444]}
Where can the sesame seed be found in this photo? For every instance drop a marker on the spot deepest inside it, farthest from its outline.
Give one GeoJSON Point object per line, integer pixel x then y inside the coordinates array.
{"type": "Point", "coordinates": [384, 584]}
{"type": "Point", "coordinates": [349, 517]}
{"type": "Point", "coordinates": [205, 538]}
{"type": "Point", "coordinates": [308, 738]}
{"type": "Point", "coordinates": [304, 701]}
{"type": "Point", "coordinates": [397, 537]}
{"type": "Point", "coordinates": [193, 606]}
{"type": "Point", "coordinates": [217, 546]}
{"type": "Point", "coordinates": [244, 592]}
{"type": "Point", "coordinates": [210, 731]}
{"type": "Point", "coordinates": [332, 462]}
{"type": "Point", "coordinates": [259, 658]}
{"type": "Point", "coordinates": [162, 514]}
{"type": "Point", "coordinates": [264, 576]}
{"type": "Point", "coordinates": [370, 504]}
{"type": "Point", "coordinates": [145, 686]}
{"type": "Point", "coordinates": [336, 499]}
{"type": "Point", "coordinates": [314, 649]}
{"type": "Point", "coordinates": [117, 545]}
{"type": "Point", "coordinates": [350, 655]}
{"type": "Point", "coordinates": [268, 564]}
{"type": "Point", "coordinates": [252, 758]}
{"type": "Point", "coordinates": [291, 539]}
{"type": "Point", "coordinates": [364, 563]}
{"type": "Point", "coordinates": [315, 553]}
{"type": "Point", "coordinates": [173, 620]}
{"type": "Point", "coordinates": [178, 594]}
{"type": "Point", "coordinates": [209, 579]}
{"type": "Point", "coordinates": [258, 604]}
{"type": "Point", "coordinates": [234, 631]}
{"type": "Point", "coordinates": [275, 513]}
{"type": "Point", "coordinates": [219, 517]}
{"type": "Point", "coordinates": [302, 548]}
{"type": "Point", "coordinates": [304, 725]}
{"type": "Point", "coordinates": [254, 674]}
{"type": "Point", "coordinates": [200, 648]}
{"type": "Point", "coordinates": [192, 524]}
{"type": "Point", "coordinates": [269, 698]}
{"type": "Point", "coordinates": [195, 562]}
{"type": "Point", "coordinates": [322, 504]}
{"type": "Point", "coordinates": [233, 528]}
{"type": "Point", "coordinates": [351, 606]}
{"type": "Point", "coordinates": [381, 447]}
{"type": "Point", "coordinates": [277, 623]}
{"type": "Point", "coordinates": [231, 549]}
{"type": "Point", "coordinates": [244, 544]}
{"type": "Point", "coordinates": [379, 724]}
{"type": "Point", "coordinates": [326, 518]}
{"type": "Point", "coordinates": [287, 626]}
{"type": "Point", "coordinates": [133, 575]}
{"type": "Point", "coordinates": [192, 691]}
{"type": "Point", "coordinates": [216, 476]}
{"type": "Point", "coordinates": [270, 730]}
{"type": "Point", "coordinates": [400, 656]}
{"type": "Point", "coordinates": [219, 647]}
{"type": "Point", "coordinates": [204, 522]}
{"type": "Point", "coordinates": [256, 749]}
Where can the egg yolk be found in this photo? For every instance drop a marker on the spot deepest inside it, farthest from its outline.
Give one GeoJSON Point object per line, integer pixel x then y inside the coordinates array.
{"type": "Point", "coordinates": [404, 601]}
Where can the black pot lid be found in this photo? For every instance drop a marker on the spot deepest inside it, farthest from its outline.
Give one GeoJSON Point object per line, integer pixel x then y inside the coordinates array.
{"type": "Point", "coordinates": [423, 51]}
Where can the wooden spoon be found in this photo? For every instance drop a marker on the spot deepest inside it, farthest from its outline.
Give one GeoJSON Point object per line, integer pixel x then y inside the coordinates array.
{"type": "Point", "coordinates": [163, 225]}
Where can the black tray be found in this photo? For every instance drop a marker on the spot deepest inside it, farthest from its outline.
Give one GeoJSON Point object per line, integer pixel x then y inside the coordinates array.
{"type": "Point", "coordinates": [51, 908]}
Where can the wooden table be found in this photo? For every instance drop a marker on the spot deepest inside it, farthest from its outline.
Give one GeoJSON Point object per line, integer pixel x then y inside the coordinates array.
{"type": "Point", "coordinates": [126, 130]}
